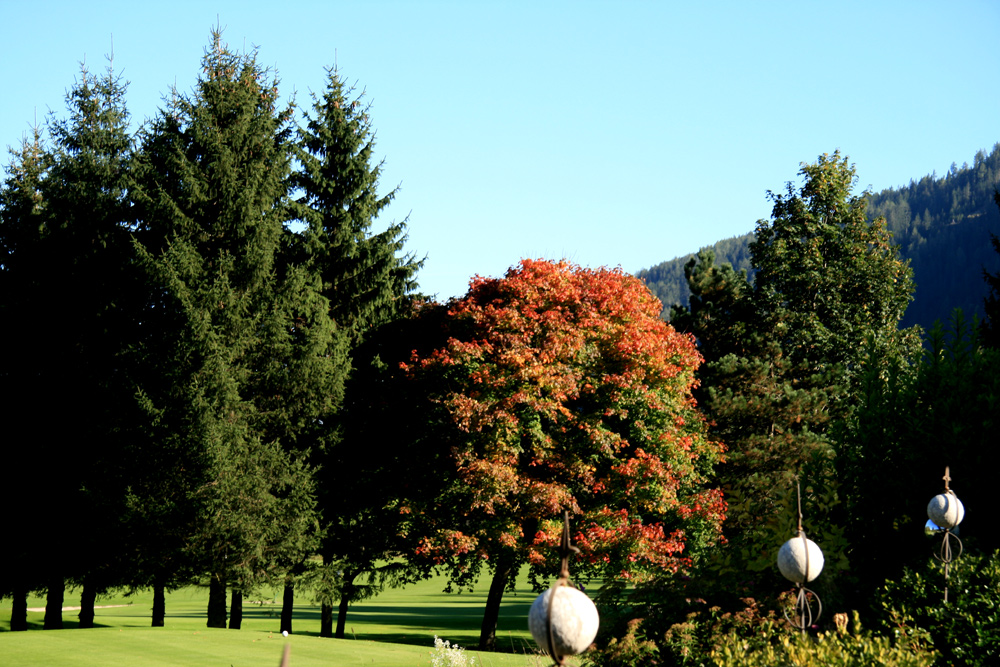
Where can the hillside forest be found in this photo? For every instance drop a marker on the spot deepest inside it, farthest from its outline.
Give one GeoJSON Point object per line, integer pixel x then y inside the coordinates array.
{"type": "Point", "coordinates": [942, 226]}
{"type": "Point", "coordinates": [220, 375]}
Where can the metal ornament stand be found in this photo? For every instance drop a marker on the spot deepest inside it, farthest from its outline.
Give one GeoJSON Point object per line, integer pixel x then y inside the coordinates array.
{"type": "Point", "coordinates": [946, 555]}
{"type": "Point", "coordinates": [803, 601]}
{"type": "Point", "coordinates": [565, 549]}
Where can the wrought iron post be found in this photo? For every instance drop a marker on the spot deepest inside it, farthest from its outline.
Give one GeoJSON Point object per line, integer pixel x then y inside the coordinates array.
{"type": "Point", "coordinates": [800, 561]}
{"type": "Point", "coordinates": [555, 632]}
{"type": "Point", "coordinates": [945, 511]}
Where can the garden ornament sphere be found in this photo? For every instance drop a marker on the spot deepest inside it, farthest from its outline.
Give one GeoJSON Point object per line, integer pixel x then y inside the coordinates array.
{"type": "Point", "coordinates": [946, 510]}
{"type": "Point", "coordinates": [798, 554]}
{"type": "Point", "coordinates": [574, 620]}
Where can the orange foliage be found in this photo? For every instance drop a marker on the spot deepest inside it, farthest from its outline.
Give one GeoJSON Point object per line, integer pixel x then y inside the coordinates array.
{"type": "Point", "coordinates": [567, 391]}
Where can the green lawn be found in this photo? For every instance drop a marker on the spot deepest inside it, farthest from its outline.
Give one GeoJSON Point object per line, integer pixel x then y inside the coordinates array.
{"type": "Point", "coordinates": [395, 629]}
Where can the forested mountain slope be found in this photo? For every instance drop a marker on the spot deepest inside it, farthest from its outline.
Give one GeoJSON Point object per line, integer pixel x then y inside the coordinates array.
{"type": "Point", "coordinates": [942, 225]}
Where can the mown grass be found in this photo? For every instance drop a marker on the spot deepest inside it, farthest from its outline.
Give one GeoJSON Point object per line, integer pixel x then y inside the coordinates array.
{"type": "Point", "coordinates": [395, 629]}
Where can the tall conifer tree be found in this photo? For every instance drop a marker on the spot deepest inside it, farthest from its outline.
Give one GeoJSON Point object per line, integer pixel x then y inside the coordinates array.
{"type": "Point", "coordinates": [67, 216]}
{"type": "Point", "coordinates": [365, 277]}
{"type": "Point", "coordinates": [249, 352]}
{"type": "Point", "coordinates": [22, 229]}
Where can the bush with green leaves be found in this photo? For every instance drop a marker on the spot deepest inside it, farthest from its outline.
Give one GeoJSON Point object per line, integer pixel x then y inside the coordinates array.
{"type": "Point", "coordinates": [830, 649]}
{"type": "Point", "coordinates": [966, 630]}
{"type": "Point", "coordinates": [698, 628]}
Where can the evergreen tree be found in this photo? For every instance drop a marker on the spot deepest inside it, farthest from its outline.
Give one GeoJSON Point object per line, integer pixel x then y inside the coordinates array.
{"type": "Point", "coordinates": [88, 207]}
{"type": "Point", "coordinates": [22, 228]}
{"type": "Point", "coordinates": [364, 277]}
{"type": "Point", "coordinates": [249, 357]}
{"type": "Point", "coordinates": [367, 282]}
{"type": "Point", "coordinates": [67, 242]}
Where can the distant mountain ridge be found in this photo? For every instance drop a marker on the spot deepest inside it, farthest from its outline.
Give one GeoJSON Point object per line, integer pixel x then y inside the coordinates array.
{"type": "Point", "coordinates": [941, 224]}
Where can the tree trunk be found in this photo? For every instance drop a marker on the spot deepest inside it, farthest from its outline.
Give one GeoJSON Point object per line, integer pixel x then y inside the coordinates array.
{"type": "Point", "coordinates": [287, 605]}
{"type": "Point", "coordinates": [159, 605]}
{"type": "Point", "coordinates": [87, 599]}
{"type": "Point", "coordinates": [216, 602]}
{"type": "Point", "coordinates": [326, 620]}
{"type": "Point", "coordinates": [346, 595]}
{"type": "Point", "coordinates": [342, 616]}
{"type": "Point", "coordinates": [488, 633]}
{"type": "Point", "coordinates": [236, 611]}
{"type": "Point", "coordinates": [19, 612]}
{"type": "Point", "coordinates": [54, 604]}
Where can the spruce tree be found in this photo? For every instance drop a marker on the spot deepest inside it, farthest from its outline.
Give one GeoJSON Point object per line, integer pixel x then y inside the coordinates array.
{"type": "Point", "coordinates": [365, 278]}
{"type": "Point", "coordinates": [88, 209]}
{"type": "Point", "coordinates": [21, 233]}
{"type": "Point", "coordinates": [66, 242]}
{"type": "Point", "coordinates": [250, 358]}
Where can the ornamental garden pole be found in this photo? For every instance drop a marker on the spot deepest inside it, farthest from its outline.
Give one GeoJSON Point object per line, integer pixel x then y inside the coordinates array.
{"type": "Point", "coordinates": [800, 561]}
{"type": "Point", "coordinates": [945, 512]}
{"type": "Point", "coordinates": [563, 620]}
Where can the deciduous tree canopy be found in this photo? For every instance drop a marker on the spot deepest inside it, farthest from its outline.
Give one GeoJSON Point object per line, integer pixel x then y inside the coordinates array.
{"type": "Point", "coordinates": [561, 389]}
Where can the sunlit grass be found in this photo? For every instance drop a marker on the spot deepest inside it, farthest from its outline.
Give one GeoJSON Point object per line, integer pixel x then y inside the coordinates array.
{"type": "Point", "coordinates": [395, 628]}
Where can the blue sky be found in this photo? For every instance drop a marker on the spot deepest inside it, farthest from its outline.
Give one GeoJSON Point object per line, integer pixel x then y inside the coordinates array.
{"type": "Point", "coordinates": [611, 134]}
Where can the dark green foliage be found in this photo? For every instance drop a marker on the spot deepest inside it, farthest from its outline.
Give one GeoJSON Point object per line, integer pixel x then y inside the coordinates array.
{"type": "Point", "coordinates": [906, 430]}
{"type": "Point", "coordinates": [246, 359]}
{"type": "Point", "coordinates": [393, 452]}
{"type": "Point", "coordinates": [367, 284]}
{"type": "Point", "coordinates": [364, 278]}
{"type": "Point", "coordinates": [67, 258]}
{"type": "Point", "coordinates": [720, 312]}
{"type": "Point", "coordinates": [966, 631]}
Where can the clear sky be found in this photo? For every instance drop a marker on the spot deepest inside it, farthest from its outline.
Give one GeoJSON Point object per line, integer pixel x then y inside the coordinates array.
{"type": "Point", "coordinates": [608, 133]}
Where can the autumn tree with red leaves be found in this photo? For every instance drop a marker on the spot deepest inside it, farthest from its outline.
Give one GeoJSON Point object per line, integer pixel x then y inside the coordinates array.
{"type": "Point", "coordinates": [559, 388]}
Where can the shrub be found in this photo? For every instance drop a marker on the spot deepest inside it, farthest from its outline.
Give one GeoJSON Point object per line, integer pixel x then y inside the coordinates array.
{"type": "Point", "coordinates": [833, 649]}
{"type": "Point", "coordinates": [966, 631]}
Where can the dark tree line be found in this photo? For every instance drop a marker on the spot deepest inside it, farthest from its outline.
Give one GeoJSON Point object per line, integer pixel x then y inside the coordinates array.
{"type": "Point", "coordinates": [187, 302]}
{"type": "Point", "coordinates": [942, 226]}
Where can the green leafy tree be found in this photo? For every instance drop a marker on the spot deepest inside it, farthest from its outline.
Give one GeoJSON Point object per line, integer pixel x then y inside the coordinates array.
{"type": "Point", "coordinates": [833, 279]}
{"type": "Point", "coordinates": [249, 358]}
{"type": "Point", "coordinates": [559, 388]}
{"type": "Point", "coordinates": [789, 356]}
